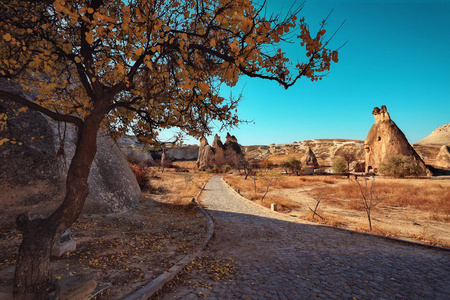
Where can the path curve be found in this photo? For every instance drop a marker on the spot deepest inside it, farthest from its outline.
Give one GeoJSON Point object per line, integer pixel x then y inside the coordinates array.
{"type": "Point", "coordinates": [279, 259]}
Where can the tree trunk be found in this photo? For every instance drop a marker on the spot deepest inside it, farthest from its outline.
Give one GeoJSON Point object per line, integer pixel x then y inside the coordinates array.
{"type": "Point", "coordinates": [370, 220]}
{"type": "Point", "coordinates": [32, 277]}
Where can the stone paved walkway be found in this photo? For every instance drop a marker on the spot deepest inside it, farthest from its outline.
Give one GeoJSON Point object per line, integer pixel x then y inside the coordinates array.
{"type": "Point", "coordinates": [281, 259]}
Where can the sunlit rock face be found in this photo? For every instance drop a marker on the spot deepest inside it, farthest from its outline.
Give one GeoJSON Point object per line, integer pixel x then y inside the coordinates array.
{"type": "Point", "coordinates": [443, 158]}
{"type": "Point", "coordinates": [219, 153]}
{"type": "Point", "coordinates": [386, 139]}
{"type": "Point", "coordinates": [33, 168]}
{"type": "Point", "coordinates": [440, 136]}
{"type": "Point", "coordinates": [309, 159]}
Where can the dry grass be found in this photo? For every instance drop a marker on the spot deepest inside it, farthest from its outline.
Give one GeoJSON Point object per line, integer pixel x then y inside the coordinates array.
{"type": "Point", "coordinates": [283, 204]}
{"type": "Point", "coordinates": [432, 197]}
{"type": "Point", "coordinates": [178, 188]}
{"type": "Point", "coordinates": [185, 164]}
{"type": "Point", "coordinates": [247, 188]}
{"type": "Point", "coordinates": [412, 209]}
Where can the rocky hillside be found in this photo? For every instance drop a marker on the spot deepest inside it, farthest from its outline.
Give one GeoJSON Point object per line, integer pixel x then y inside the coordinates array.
{"type": "Point", "coordinates": [324, 149]}
{"type": "Point", "coordinates": [429, 147]}
{"type": "Point", "coordinates": [440, 136]}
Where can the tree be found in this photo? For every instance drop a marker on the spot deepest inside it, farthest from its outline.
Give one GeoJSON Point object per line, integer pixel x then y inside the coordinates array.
{"type": "Point", "coordinates": [400, 166]}
{"type": "Point", "coordinates": [270, 177]}
{"type": "Point", "coordinates": [266, 164]}
{"type": "Point", "coordinates": [367, 198]}
{"type": "Point", "coordinates": [349, 157]}
{"type": "Point", "coordinates": [138, 66]}
{"type": "Point", "coordinates": [294, 165]}
{"type": "Point", "coordinates": [339, 166]}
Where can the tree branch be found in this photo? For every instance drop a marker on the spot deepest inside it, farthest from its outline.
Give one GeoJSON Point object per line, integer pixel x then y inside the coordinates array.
{"type": "Point", "coordinates": [55, 116]}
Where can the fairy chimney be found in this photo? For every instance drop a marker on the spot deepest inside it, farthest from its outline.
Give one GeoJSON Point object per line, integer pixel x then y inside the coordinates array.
{"type": "Point", "coordinates": [233, 153]}
{"type": "Point", "coordinates": [219, 151]}
{"type": "Point", "coordinates": [219, 154]}
{"type": "Point", "coordinates": [386, 139]}
{"type": "Point", "coordinates": [309, 159]}
{"type": "Point", "coordinates": [205, 154]}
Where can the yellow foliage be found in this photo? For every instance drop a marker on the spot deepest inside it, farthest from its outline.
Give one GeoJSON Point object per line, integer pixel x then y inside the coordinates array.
{"type": "Point", "coordinates": [190, 49]}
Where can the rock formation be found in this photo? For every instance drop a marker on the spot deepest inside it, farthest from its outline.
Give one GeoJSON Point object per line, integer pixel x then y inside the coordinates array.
{"type": "Point", "coordinates": [33, 169]}
{"type": "Point", "coordinates": [219, 151]}
{"type": "Point", "coordinates": [440, 136]}
{"type": "Point", "coordinates": [443, 158]}
{"type": "Point", "coordinates": [205, 155]}
{"type": "Point", "coordinates": [219, 154]}
{"type": "Point", "coordinates": [386, 139]}
{"type": "Point", "coordinates": [133, 150]}
{"type": "Point", "coordinates": [309, 159]}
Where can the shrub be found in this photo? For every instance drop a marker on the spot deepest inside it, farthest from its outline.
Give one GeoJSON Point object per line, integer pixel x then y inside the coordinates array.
{"type": "Point", "coordinates": [339, 166]}
{"type": "Point", "coordinates": [226, 168]}
{"type": "Point", "coordinates": [142, 175]}
{"type": "Point", "coordinates": [400, 166]}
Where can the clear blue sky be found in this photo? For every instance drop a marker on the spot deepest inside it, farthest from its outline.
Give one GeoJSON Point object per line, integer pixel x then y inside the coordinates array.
{"type": "Point", "coordinates": [397, 54]}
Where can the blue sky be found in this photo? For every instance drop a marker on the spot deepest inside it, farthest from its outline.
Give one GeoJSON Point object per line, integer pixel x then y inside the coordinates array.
{"type": "Point", "coordinates": [397, 54]}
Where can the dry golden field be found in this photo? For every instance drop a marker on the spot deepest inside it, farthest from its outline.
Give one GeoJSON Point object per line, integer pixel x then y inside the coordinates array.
{"type": "Point", "coordinates": [411, 209]}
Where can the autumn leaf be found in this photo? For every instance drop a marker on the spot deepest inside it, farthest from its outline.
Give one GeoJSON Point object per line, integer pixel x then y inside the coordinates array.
{"type": "Point", "coordinates": [7, 37]}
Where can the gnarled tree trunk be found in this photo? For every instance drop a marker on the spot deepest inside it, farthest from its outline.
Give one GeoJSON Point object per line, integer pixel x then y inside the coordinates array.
{"type": "Point", "coordinates": [32, 277]}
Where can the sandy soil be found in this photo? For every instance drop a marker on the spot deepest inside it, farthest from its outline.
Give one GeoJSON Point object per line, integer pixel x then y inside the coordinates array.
{"type": "Point", "coordinates": [401, 222]}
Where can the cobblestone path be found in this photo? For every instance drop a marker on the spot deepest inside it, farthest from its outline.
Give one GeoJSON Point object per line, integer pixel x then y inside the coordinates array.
{"type": "Point", "coordinates": [280, 259]}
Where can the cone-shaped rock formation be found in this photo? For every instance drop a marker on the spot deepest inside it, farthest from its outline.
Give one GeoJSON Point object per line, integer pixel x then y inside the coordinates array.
{"type": "Point", "coordinates": [386, 139]}
{"type": "Point", "coordinates": [219, 154]}
{"type": "Point", "coordinates": [309, 159]}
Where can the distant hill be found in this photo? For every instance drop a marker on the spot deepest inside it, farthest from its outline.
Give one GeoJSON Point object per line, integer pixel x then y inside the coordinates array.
{"type": "Point", "coordinates": [324, 149]}
{"type": "Point", "coordinates": [440, 136]}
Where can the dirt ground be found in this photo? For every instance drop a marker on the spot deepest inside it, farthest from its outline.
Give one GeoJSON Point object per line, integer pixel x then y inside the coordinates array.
{"type": "Point", "coordinates": [405, 222]}
{"type": "Point", "coordinates": [127, 250]}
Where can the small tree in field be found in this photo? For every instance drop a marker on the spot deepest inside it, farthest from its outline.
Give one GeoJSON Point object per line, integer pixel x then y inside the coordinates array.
{"type": "Point", "coordinates": [367, 198]}
{"type": "Point", "coordinates": [140, 66]}
{"type": "Point", "coordinates": [339, 166]}
{"type": "Point", "coordinates": [400, 166]}
{"type": "Point", "coordinates": [294, 165]}
{"type": "Point", "coordinates": [249, 165]}
{"type": "Point", "coordinates": [269, 177]}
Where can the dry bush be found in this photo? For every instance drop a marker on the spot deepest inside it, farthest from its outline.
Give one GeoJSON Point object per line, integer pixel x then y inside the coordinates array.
{"type": "Point", "coordinates": [142, 174]}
